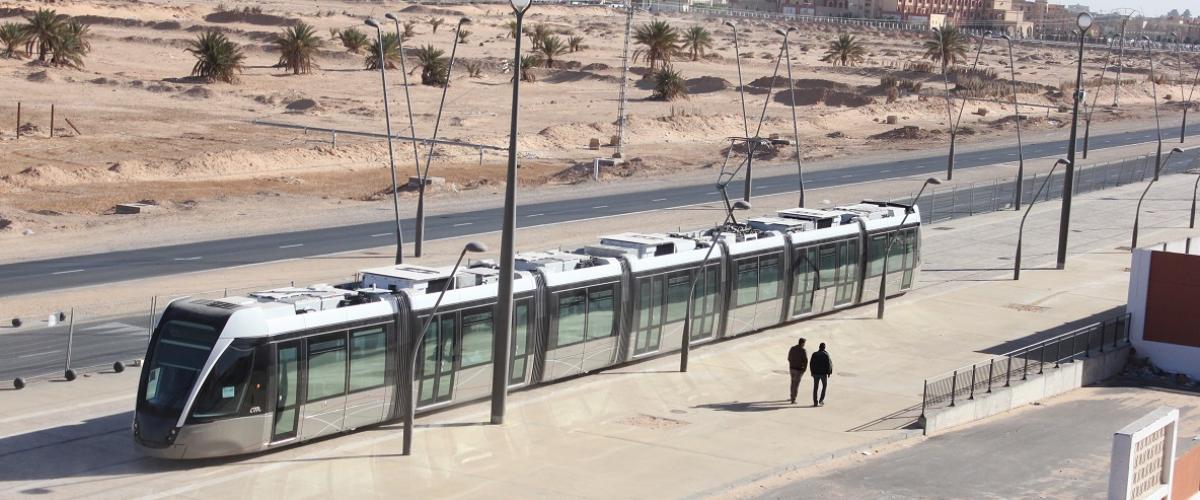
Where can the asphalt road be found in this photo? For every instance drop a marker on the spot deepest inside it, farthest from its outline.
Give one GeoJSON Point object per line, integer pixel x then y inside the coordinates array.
{"type": "Point", "coordinates": [39, 349]}
{"type": "Point", "coordinates": [69, 272]}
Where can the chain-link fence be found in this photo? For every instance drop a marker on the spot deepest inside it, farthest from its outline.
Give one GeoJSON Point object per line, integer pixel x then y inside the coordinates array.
{"type": "Point", "coordinates": [1017, 366]}
{"type": "Point", "coordinates": [966, 199]}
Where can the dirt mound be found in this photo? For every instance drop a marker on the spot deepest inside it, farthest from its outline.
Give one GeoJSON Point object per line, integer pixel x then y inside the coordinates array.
{"type": "Point", "coordinates": [811, 96]}
{"type": "Point", "coordinates": [767, 81]}
{"type": "Point", "coordinates": [110, 21]}
{"type": "Point", "coordinates": [596, 67]}
{"type": "Point", "coordinates": [568, 76]}
{"type": "Point", "coordinates": [258, 18]}
{"type": "Point", "coordinates": [907, 132]}
{"type": "Point", "coordinates": [421, 9]}
{"type": "Point", "coordinates": [42, 76]}
{"type": "Point", "coordinates": [303, 105]}
{"type": "Point", "coordinates": [198, 93]}
{"type": "Point", "coordinates": [706, 84]}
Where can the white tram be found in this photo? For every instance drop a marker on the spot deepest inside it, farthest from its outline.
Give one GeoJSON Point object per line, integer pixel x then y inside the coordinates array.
{"type": "Point", "coordinates": [278, 367]}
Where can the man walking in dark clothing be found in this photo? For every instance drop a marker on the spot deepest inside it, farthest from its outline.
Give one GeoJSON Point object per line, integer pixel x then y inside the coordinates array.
{"type": "Point", "coordinates": [822, 368]}
{"type": "Point", "coordinates": [798, 362]}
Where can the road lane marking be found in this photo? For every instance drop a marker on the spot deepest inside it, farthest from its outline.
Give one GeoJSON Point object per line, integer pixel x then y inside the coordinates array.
{"type": "Point", "coordinates": [47, 353]}
{"type": "Point", "coordinates": [69, 272]}
{"type": "Point", "coordinates": [597, 207]}
{"type": "Point", "coordinates": [535, 215]}
{"type": "Point", "coordinates": [847, 176]}
{"type": "Point", "coordinates": [886, 170]}
{"type": "Point", "coordinates": [294, 245]}
{"type": "Point", "coordinates": [461, 224]}
{"type": "Point", "coordinates": [658, 199]}
{"type": "Point", "coordinates": [712, 193]}
{"type": "Point", "coordinates": [380, 235]}
{"type": "Point", "coordinates": [188, 258]}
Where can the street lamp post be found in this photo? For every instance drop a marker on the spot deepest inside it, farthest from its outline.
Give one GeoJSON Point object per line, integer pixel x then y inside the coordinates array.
{"type": "Point", "coordinates": [411, 393]}
{"type": "Point", "coordinates": [424, 176]}
{"type": "Point", "coordinates": [412, 133]}
{"type": "Point", "coordinates": [1120, 58]}
{"type": "Point", "coordinates": [891, 241]}
{"type": "Point", "coordinates": [502, 342]}
{"type": "Point", "coordinates": [1154, 93]}
{"type": "Point", "coordinates": [1137, 214]}
{"type": "Point", "coordinates": [1012, 69]}
{"type": "Point", "coordinates": [1089, 111]}
{"type": "Point", "coordinates": [1084, 21]}
{"type": "Point", "coordinates": [1182, 82]}
{"type": "Point", "coordinates": [387, 118]}
{"type": "Point", "coordinates": [792, 99]}
{"type": "Point", "coordinates": [1021, 228]}
{"type": "Point", "coordinates": [1187, 105]}
{"type": "Point", "coordinates": [686, 346]}
{"type": "Point", "coordinates": [961, 107]}
{"type": "Point", "coordinates": [1192, 214]}
{"type": "Point", "coordinates": [737, 57]}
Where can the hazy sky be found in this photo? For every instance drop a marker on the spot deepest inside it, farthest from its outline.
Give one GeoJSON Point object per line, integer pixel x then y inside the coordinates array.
{"type": "Point", "coordinates": [1149, 7]}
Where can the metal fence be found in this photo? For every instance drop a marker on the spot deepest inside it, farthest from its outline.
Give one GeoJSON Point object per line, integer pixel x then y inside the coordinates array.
{"type": "Point", "coordinates": [1014, 367]}
{"type": "Point", "coordinates": [966, 199]}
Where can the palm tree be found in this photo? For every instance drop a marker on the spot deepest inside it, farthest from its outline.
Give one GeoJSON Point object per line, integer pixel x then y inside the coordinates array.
{"type": "Point", "coordinates": [575, 43]}
{"type": "Point", "coordinates": [668, 85]}
{"type": "Point", "coordinates": [353, 40]}
{"type": "Point", "coordinates": [474, 69]}
{"type": "Point", "coordinates": [44, 27]}
{"type": "Point", "coordinates": [552, 46]}
{"type": "Point", "coordinates": [696, 40]}
{"type": "Point", "coordinates": [391, 52]}
{"type": "Point", "coordinates": [846, 50]}
{"type": "Point", "coordinates": [435, 22]}
{"type": "Point", "coordinates": [462, 35]}
{"type": "Point", "coordinates": [947, 46]}
{"type": "Point", "coordinates": [71, 45]}
{"type": "Point", "coordinates": [539, 32]}
{"type": "Point", "coordinates": [433, 65]}
{"type": "Point", "coordinates": [410, 29]}
{"type": "Point", "coordinates": [297, 46]}
{"type": "Point", "coordinates": [12, 35]}
{"type": "Point", "coordinates": [527, 64]}
{"type": "Point", "coordinates": [217, 58]}
{"type": "Point", "coordinates": [660, 40]}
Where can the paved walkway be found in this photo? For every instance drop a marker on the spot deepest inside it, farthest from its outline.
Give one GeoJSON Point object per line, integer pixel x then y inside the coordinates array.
{"type": "Point", "coordinates": [1060, 449]}
{"type": "Point", "coordinates": [644, 430]}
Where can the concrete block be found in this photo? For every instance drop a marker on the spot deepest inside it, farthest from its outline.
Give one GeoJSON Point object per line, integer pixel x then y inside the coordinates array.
{"type": "Point", "coordinates": [594, 143]}
{"type": "Point", "coordinates": [892, 120]}
{"type": "Point", "coordinates": [133, 208]}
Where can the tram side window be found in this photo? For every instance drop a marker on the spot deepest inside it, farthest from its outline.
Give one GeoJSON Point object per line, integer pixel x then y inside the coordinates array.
{"type": "Point", "coordinates": [678, 285]}
{"type": "Point", "coordinates": [747, 282]}
{"type": "Point", "coordinates": [875, 251]}
{"type": "Point", "coordinates": [572, 317]}
{"type": "Point", "coordinates": [476, 337]}
{"type": "Point", "coordinates": [326, 367]}
{"type": "Point", "coordinates": [851, 262]}
{"type": "Point", "coordinates": [913, 247]}
{"type": "Point", "coordinates": [896, 256]}
{"type": "Point", "coordinates": [368, 359]}
{"type": "Point", "coordinates": [804, 269]}
{"type": "Point", "coordinates": [827, 256]}
{"type": "Point", "coordinates": [768, 278]}
{"type": "Point", "coordinates": [225, 388]}
{"type": "Point", "coordinates": [600, 313]}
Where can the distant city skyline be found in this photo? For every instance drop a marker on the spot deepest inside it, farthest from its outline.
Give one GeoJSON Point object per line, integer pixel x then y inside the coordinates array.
{"type": "Point", "coordinates": [1152, 8]}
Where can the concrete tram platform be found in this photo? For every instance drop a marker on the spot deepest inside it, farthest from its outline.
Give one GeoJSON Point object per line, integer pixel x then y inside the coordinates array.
{"type": "Point", "coordinates": [645, 430]}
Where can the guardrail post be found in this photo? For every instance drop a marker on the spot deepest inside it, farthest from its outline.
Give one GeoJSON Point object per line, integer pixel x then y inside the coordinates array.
{"type": "Point", "coordinates": [150, 321]}
{"type": "Point", "coordinates": [1103, 330]}
{"type": "Point", "coordinates": [991, 370]}
{"type": "Point", "coordinates": [1058, 352]}
{"type": "Point", "coordinates": [1008, 373]}
{"type": "Point", "coordinates": [953, 386]}
{"type": "Point", "coordinates": [924, 396]}
{"type": "Point", "coordinates": [70, 340]}
{"type": "Point", "coordinates": [932, 204]}
{"type": "Point", "coordinates": [973, 370]}
{"type": "Point", "coordinates": [1087, 344]}
{"type": "Point", "coordinates": [995, 192]}
{"type": "Point", "coordinates": [1042, 361]}
{"type": "Point", "coordinates": [971, 201]}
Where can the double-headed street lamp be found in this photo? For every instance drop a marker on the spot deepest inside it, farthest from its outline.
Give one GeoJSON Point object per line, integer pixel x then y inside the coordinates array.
{"type": "Point", "coordinates": [961, 107]}
{"type": "Point", "coordinates": [1021, 228]}
{"type": "Point", "coordinates": [1137, 213]}
{"type": "Point", "coordinates": [787, 51]}
{"type": "Point", "coordinates": [686, 346]}
{"type": "Point", "coordinates": [891, 241]}
{"type": "Point", "coordinates": [1154, 93]}
{"type": "Point", "coordinates": [412, 132]}
{"type": "Point", "coordinates": [1090, 110]}
{"type": "Point", "coordinates": [387, 118]}
{"type": "Point", "coordinates": [501, 343]}
{"type": "Point", "coordinates": [1017, 116]}
{"type": "Point", "coordinates": [1084, 21]}
{"type": "Point", "coordinates": [411, 392]}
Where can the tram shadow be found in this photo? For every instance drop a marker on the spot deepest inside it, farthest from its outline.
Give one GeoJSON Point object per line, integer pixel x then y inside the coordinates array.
{"type": "Point", "coordinates": [100, 446]}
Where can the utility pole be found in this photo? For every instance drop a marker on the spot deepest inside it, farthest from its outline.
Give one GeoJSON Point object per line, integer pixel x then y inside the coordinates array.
{"type": "Point", "coordinates": [624, 80]}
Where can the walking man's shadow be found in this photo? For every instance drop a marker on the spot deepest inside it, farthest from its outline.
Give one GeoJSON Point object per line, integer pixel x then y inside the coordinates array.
{"type": "Point", "coordinates": [750, 406]}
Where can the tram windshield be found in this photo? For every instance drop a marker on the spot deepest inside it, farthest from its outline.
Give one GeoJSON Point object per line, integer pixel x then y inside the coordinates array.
{"type": "Point", "coordinates": [175, 364]}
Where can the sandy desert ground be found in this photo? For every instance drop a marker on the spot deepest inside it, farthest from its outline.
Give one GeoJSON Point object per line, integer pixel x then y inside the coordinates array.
{"type": "Point", "coordinates": [147, 131]}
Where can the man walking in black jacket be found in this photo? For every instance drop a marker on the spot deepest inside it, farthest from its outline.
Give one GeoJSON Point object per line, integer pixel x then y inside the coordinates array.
{"type": "Point", "coordinates": [822, 368]}
{"type": "Point", "coordinates": [797, 362]}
